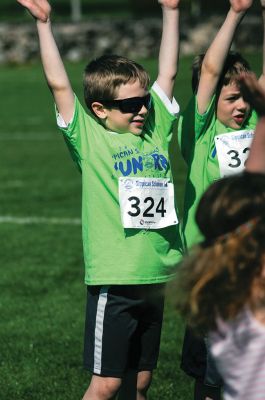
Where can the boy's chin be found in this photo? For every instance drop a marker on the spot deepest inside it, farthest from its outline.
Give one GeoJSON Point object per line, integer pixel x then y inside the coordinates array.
{"type": "Point", "coordinates": [235, 125]}
{"type": "Point", "coordinates": [137, 133]}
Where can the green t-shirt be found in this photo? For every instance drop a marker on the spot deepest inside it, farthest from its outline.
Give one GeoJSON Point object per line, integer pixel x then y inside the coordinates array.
{"type": "Point", "coordinates": [114, 254]}
{"type": "Point", "coordinates": [196, 135]}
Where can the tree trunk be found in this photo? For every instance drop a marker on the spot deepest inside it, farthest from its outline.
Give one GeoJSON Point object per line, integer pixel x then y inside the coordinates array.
{"type": "Point", "coordinates": [195, 8]}
{"type": "Point", "coordinates": [76, 13]}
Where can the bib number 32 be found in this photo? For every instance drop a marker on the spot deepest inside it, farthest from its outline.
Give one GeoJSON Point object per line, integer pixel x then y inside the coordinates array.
{"type": "Point", "coordinates": [236, 158]}
{"type": "Point", "coordinates": [232, 151]}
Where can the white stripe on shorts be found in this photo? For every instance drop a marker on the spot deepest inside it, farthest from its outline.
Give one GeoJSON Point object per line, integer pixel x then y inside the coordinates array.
{"type": "Point", "coordinates": [102, 301]}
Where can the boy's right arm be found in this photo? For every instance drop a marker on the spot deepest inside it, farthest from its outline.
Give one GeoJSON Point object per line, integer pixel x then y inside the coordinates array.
{"type": "Point", "coordinates": [254, 94]}
{"type": "Point", "coordinates": [169, 47]}
{"type": "Point", "coordinates": [215, 56]}
{"type": "Point", "coordinates": [262, 77]}
{"type": "Point", "coordinates": [54, 70]}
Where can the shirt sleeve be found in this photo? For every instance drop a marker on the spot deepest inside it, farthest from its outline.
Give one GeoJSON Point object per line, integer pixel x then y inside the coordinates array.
{"type": "Point", "coordinates": [161, 117]}
{"type": "Point", "coordinates": [192, 126]}
{"type": "Point", "coordinates": [68, 129]}
{"type": "Point", "coordinates": [203, 121]}
{"type": "Point", "coordinates": [72, 132]}
{"type": "Point", "coordinates": [172, 106]}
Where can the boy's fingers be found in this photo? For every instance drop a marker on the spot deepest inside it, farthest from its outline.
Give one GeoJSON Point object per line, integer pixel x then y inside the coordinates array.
{"type": "Point", "coordinates": [241, 5]}
{"type": "Point", "coordinates": [253, 93]}
{"type": "Point", "coordinates": [26, 3]}
{"type": "Point", "coordinates": [169, 3]}
{"type": "Point", "coordinates": [34, 9]}
{"type": "Point", "coordinates": [248, 81]}
{"type": "Point", "coordinates": [246, 84]}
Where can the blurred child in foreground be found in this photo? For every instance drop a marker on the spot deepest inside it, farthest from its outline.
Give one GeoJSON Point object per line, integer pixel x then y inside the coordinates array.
{"type": "Point", "coordinates": [221, 284]}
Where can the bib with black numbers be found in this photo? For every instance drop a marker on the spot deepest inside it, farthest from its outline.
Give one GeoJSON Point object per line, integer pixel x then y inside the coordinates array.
{"type": "Point", "coordinates": [147, 203]}
{"type": "Point", "coordinates": [232, 151]}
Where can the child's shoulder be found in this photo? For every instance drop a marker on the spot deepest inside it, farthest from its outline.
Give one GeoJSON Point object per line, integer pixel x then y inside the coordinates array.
{"type": "Point", "coordinates": [163, 102]}
{"type": "Point", "coordinates": [191, 119]}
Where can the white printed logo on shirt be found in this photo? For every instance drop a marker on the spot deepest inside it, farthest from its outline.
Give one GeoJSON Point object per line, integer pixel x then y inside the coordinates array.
{"type": "Point", "coordinates": [147, 203]}
{"type": "Point", "coordinates": [232, 151]}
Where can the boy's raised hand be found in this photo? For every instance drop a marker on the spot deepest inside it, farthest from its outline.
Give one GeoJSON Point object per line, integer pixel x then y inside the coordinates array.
{"type": "Point", "coordinates": [215, 56]}
{"type": "Point", "coordinates": [54, 70]}
{"type": "Point", "coordinates": [252, 92]}
{"type": "Point", "coordinates": [173, 4]}
{"type": "Point", "coordinates": [241, 5]}
{"type": "Point", "coordinates": [39, 9]}
{"type": "Point", "coordinates": [262, 2]}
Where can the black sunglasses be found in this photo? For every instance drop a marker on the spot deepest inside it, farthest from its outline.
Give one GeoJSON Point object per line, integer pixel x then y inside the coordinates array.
{"type": "Point", "coordinates": [131, 105]}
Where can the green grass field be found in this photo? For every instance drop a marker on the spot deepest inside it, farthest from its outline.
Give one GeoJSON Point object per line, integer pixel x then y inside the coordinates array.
{"type": "Point", "coordinates": [42, 301]}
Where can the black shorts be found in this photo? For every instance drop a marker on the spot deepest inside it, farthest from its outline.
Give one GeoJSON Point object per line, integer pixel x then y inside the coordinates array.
{"type": "Point", "coordinates": [196, 359]}
{"type": "Point", "coordinates": [123, 328]}
{"type": "Point", "coordinates": [194, 355]}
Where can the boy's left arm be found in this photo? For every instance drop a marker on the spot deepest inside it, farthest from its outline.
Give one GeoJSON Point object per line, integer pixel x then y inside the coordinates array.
{"type": "Point", "coordinates": [169, 47]}
{"type": "Point", "coordinates": [262, 77]}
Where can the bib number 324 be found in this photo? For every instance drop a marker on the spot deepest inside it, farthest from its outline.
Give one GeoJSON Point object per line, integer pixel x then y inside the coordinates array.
{"type": "Point", "coordinates": [147, 203]}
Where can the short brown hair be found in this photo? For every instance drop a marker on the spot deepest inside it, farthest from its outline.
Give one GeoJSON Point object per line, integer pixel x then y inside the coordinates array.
{"type": "Point", "coordinates": [234, 65]}
{"type": "Point", "coordinates": [104, 75]}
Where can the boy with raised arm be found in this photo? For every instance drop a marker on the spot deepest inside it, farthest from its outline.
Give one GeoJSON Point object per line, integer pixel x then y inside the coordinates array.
{"type": "Point", "coordinates": [130, 227]}
{"type": "Point", "coordinates": [215, 134]}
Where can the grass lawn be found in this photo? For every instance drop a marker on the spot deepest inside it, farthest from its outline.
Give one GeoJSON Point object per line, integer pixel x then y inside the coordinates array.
{"type": "Point", "coordinates": [42, 292]}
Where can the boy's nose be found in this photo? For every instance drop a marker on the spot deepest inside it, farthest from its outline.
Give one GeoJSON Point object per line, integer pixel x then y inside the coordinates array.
{"type": "Point", "coordinates": [241, 104]}
{"type": "Point", "coordinates": [143, 110]}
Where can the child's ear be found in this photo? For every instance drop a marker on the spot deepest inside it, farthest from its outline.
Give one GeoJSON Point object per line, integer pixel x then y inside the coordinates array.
{"type": "Point", "coordinates": [99, 110]}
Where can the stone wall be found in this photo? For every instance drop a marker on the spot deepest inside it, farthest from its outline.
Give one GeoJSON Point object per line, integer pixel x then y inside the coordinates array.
{"type": "Point", "coordinates": [135, 39]}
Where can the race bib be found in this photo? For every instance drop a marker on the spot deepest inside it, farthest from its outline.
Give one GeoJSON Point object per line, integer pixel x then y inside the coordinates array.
{"type": "Point", "coordinates": [232, 151]}
{"type": "Point", "coordinates": [147, 203]}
